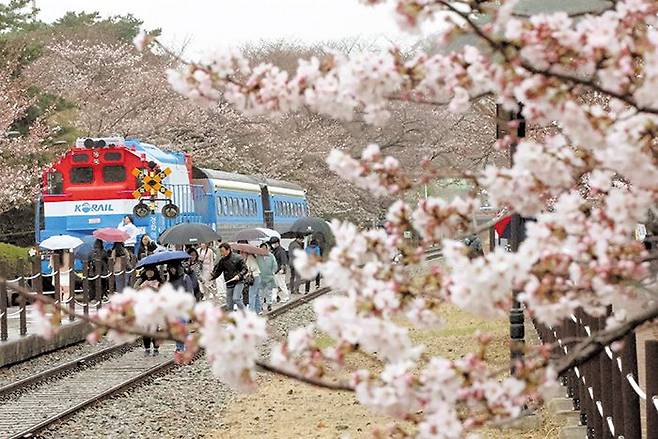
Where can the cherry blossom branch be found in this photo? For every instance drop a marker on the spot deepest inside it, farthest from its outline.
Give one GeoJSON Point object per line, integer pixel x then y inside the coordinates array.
{"type": "Point", "coordinates": [593, 345]}
{"type": "Point", "coordinates": [500, 46]}
{"type": "Point", "coordinates": [315, 382]}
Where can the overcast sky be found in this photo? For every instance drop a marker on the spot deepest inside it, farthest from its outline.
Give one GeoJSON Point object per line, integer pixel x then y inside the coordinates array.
{"type": "Point", "coordinates": [209, 24]}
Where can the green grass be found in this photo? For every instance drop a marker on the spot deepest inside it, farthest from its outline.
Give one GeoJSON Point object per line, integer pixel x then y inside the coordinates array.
{"type": "Point", "coordinates": [10, 254]}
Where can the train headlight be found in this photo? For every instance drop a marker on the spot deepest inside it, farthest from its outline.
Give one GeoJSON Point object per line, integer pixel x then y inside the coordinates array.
{"type": "Point", "coordinates": [141, 210]}
{"type": "Point", "coordinates": [170, 211]}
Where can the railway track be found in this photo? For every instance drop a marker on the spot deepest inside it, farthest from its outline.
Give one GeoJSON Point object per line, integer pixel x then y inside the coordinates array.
{"type": "Point", "coordinates": [36, 402]}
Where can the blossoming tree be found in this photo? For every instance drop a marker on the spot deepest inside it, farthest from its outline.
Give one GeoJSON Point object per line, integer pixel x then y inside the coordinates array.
{"type": "Point", "coordinates": [20, 153]}
{"type": "Point", "coordinates": [587, 182]}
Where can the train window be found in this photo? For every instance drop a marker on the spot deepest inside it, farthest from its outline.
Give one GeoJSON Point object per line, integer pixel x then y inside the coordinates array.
{"type": "Point", "coordinates": [254, 208]}
{"type": "Point", "coordinates": [82, 174]}
{"type": "Point", "coordinates": [224, 206]}
{"type": "Point", "coordinates": [233, 207]}
{"type": "Point", "coordinates": [55, 183]}
{"type": "Point", "coordinates": [112, 156]}
{"type": "Point", "coordinates": [114, 174]}
{"type": "Point", "coordinates": [80, 158]}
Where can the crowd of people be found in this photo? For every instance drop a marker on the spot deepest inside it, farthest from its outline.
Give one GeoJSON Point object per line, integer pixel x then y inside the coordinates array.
{"type": "Point", "coordinates": [255, 280]}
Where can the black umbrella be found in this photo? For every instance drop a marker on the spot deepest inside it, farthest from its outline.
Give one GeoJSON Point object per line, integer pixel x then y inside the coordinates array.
{"type": "Point", "coordinates": [318, 229]}
{"type": "Point", "coordinates": [188, 234]}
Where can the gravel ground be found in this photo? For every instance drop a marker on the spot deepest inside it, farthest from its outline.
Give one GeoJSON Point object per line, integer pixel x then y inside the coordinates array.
{"type": "Point", "coordinates": [10, 374]}
{"type": "Point", "coordinates": [182, 404]}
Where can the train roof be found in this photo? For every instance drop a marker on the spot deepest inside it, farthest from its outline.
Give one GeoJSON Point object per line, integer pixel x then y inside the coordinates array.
{"type": "Point", "coordinates": [271, 183]}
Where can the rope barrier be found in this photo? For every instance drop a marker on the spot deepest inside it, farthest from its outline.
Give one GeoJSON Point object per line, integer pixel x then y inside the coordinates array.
{"type": "Point", "coordinates": [13, 314]}
{"type": "Point", "coordinates": [15, 280]}
{"type": "Point", "coordinates": [636, 387]}
{"type": "Point", "coordinates": [611, 425]}
{"type": "Point", "coordinates": [33, 276]}
{"type": "Point", "coordinates": [50, 274]}
{"type": "Point", "coordinates": [654, 399]}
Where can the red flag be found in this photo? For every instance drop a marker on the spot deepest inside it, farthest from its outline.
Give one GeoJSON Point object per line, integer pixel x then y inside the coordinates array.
{"type": "Point", "coordinates": [501, 225]}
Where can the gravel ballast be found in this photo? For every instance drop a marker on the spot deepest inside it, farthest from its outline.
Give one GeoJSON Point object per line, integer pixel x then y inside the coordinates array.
{"type": "Point", "coordinates": [185, 403]}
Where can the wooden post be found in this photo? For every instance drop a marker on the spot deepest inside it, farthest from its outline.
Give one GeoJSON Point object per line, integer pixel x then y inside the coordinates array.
{"type": "Point", "coordinates": [71, 278]}
{"type": "Point", "coordinates": [618, 401]}
{"type": "Point", "coordinates": [85, 287]}
{"type": "Point", "coordinates": [651, 365]}
{"type": "Point", "coordinates": [632, 425]}
{"type": "Point", "coordinates": [22, 300]}
{"type": "Point", "coordinates": [606, 387]}
{"type": "Point", "coordinates": [57, 294]}
{"type": "Point", "coordinates": [98, 282]}
{"type": "Point", "coordinates": [37, 282]}
{"type": "Point", "coordinates": [3, 308]}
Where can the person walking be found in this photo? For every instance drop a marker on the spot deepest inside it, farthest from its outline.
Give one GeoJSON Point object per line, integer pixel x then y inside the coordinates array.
{"type": "Point", "coordinates": [119, 262]}
{"type": "Point", "coordinates": [252, 281]}
{"type": "Point", "coordinates": [193, 269]}
{"type": "Point", "coordinates": [177, 277]}
{"type": "Point", "coordinates": [127, 225]}
{"type": "Point", "coordinates": [295, 279]}
{"type": "Point", "coordinates": [313, 250]}
{"type": "Point", "coordinates": [146, 247]}
{"type": "Point", "coordinates": [98, 266]}
{"type": "Point", "coordinates": [281, 258]}
{"type": "Point", "coordinates": [220, 283]}
{"type": "Point", "coordinates": [150, 279]}
{"type": "Point", "coordinates": [234, 269]}
{"type": "Point", "coordinates": [267, 266]}
{"type": "Point", "coordinates": [207, 262]}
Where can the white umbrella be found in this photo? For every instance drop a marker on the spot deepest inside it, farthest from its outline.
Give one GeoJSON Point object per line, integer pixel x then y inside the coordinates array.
{"type": "Point", "coordinates": [61, 242]}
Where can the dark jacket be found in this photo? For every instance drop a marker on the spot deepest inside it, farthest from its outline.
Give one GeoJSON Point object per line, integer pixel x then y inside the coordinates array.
{"type": "Point", "coordinates": [291, 249]}
{"type": "Point", "coordinates": [146, 250]}
{"type": "Point", "coordinates": [230, 265]}
{"type": "Point", "coordinates": [185, 282]}
{"type": "Point", "coordinates": [281, 257]}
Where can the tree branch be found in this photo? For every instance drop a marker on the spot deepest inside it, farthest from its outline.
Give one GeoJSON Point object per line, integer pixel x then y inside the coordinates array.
{"type": "Point", "coordinates": [590, 347]}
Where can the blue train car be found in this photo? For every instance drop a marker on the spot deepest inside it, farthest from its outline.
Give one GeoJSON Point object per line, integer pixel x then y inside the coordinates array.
{"type": "Point", "coordinates": [93, 185]}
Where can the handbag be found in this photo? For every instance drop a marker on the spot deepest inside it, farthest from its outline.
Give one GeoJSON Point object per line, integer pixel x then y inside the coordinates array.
{"type": "Point", "coordinates": [248, 278]}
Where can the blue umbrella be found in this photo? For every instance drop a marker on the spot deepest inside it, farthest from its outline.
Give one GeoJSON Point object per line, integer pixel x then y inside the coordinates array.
{"type": "Point", "coordinates": [163, 257]}
{"type": "Point", "coordinates": [86, 249]}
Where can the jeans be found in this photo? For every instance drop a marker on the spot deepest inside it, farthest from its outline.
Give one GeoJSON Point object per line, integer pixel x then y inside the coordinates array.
{"type": "Point", "coordinates": [317, 283]}
{"type": "Point", "coordinates": [148, 341]}
{"type": "Point", "coordinates": [295, 280]}
{"type": "Point", "coordinates": [234, 296]}
{"type": "Point", "coordinates": [255, 295]}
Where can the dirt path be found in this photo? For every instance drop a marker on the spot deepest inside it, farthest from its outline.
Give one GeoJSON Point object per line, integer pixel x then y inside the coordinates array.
{"type": "Point", "coordinates": [282, 408]}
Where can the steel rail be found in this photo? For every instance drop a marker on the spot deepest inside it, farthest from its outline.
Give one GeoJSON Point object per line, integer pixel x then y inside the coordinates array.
{"type": "Point", "coordinates": [119, 388]}
{"type": "Point", "coordinates": [70, 366]}
{"type": "Point", "coordinates": [159, 368]}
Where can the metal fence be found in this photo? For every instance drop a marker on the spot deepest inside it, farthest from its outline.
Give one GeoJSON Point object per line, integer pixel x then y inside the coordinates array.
{"type": "Point", "coordinates": [75, 291]}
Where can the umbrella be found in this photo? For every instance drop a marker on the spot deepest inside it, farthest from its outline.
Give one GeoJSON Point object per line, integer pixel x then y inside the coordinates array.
{"type": "Point", "coordinates": [162, 258]}
{"type": "Point", "coordinates": [61, 242]}
{"type": "Point", "coordinates": [111, 234]}
{"type": "Point", "coordinates": [256, 234]}
{"type": "Point", "coordinates": [317, 228]}
{"type": "Point", "coordinates": [188, 233]}
{"type": "Point", "coordinates": [248, 248]}
{"type": "Point", "coordinates": [86, 248]}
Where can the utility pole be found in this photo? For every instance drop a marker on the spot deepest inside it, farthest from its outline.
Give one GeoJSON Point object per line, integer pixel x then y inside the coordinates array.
{"type": "Point", "coordinates": [516, 317]}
